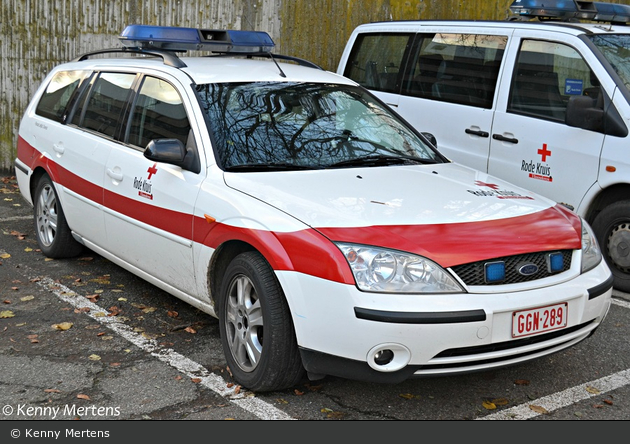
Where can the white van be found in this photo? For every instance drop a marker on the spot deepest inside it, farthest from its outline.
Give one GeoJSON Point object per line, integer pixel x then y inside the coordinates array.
{"type": "Point", "coordinates": [540, 100]}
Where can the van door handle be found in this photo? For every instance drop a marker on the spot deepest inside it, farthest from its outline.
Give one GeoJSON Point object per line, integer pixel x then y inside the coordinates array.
{"type": "Point", "coordinates": [477, 132]}
{"type": "Point", "coordinates": [58, 147]}
{"type": "Point", "coordinates": [115, 175]}
{"type": "Point", "coordinates": [504, 139]}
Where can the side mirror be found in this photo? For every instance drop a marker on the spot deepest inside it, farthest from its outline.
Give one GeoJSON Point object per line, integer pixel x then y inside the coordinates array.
{"type": "Point", "coordinates": [167, 151]}
{"type": "Point", "coordinates": [583, 112]}
{"type": "Point", "coordinates": [431, 138]}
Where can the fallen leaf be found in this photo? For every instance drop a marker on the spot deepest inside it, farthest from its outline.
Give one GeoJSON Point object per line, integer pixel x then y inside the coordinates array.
{"type": "Point", "coordinates": [608, 401]}
{"type": "Point", "coordinates": [172, 314]}
{"type": "Point", "coordinates": [52, 391]}
{"type": "Point", "coordinates": [500, 401]}
{"type": "Point", "coordinates": [521, 382]}
{"type": "Point", "coordinates": [6, 314]}
{"type": "Point", "coordinates": [298, 392]}
{"type": "Point", "coordinates": [5, 255]}
{"type": "Point", "coordinates": [82, 396]}
{"type": "Point", "coordinates": [488, 405]}
{"type": "Point", "coordinates": [94, 357]}
{"type": "Point", "coordinates": [27, 298]}
{"type": "Point", "coordinates": [196, 380]}
{"type": "Point", "coordinates": [63, 326]}
{"type": "Point", "coordinates": [6, 301]}
{"type": "Point", "coordinates": [538, 409]}
{"type": "Point", "coordinates": [190, 330]}
{"type": "Point", "coordinates": [592, 390]}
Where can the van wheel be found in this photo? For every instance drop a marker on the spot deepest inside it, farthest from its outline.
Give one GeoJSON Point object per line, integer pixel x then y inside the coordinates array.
{"type": "Point", "coordinates": [256, 329]}
{"type": "Point", "coordinates": [51, 229]}
{"type": "Point", "coordinates": [612, 228]}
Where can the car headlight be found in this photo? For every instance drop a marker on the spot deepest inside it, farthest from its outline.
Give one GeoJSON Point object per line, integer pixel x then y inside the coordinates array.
{"type": "Point", "coordinates": [591, 253]}
{"type": "Point", "coordinates": [390, 271]}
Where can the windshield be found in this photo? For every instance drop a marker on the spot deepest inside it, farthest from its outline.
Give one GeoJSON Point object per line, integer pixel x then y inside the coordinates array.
{"type": "Point", "coordinates": [616, 49]}
{"type": "Point", "coordinates": [284, 125]}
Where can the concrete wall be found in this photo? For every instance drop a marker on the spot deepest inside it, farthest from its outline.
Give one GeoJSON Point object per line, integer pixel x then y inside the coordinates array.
{"type": "Point", "coordinates": [38, 34]}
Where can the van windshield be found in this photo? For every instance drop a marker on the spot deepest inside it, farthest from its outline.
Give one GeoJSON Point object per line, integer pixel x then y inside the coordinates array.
{"type": "Point", "coordinates": [616, 49]}
{"type": "Point", "coordinates": [265, 126]}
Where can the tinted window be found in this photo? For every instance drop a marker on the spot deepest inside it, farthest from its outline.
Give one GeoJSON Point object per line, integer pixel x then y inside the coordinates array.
{"type": "Point", "coordinates": [106, 103]}
{"type": "Point", "coordinates": [457, 68]}
{"type": "Point", "coordinates": [53, 103]}
{"type": "Point", "coordinates": [547, 74]}
{"type": "Point", "coordinates": [377, 59]}
{"type": "Point", "coordinates": [158, 114]}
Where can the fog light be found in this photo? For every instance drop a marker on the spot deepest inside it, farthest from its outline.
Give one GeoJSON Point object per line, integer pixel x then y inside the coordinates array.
{"type": "Point", "coordinates": [383, 357]}
{"type": "Point", "coordinates": [388, 357]}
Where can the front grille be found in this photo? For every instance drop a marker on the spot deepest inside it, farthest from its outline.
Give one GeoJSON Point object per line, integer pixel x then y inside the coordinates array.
{"type": "Point", "coordinates": [474, 274]}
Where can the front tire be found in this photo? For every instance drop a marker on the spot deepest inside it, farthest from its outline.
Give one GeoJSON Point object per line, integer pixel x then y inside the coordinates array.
{"type": "Point", "coordinates": [53, 234]}
{"type": "Point", "coordinates": [612, 228]}
{"type": "Point", "coordinates": [256, 328]}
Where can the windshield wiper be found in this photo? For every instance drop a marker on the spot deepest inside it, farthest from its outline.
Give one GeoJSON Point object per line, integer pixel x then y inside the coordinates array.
{"type": "Point", "coordinates": [271, 166]}
{"type": "Point", "coordinates": [382, 160]}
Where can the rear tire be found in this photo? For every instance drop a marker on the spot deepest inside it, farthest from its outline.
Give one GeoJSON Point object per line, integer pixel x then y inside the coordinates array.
{"type": "Point", "coordinates": [612, 228]}
{"type": "Point", "coordinates": [53, 234]}
{"type": "Point", "coordinates": [256, 328]}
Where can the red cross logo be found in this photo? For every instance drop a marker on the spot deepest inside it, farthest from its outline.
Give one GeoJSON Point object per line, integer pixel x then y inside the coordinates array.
{"type": "Point", "coordinates": [489, 185]}
{"type": "Point", "coordinates": [544, 152]}
{"type": "Point", "coordinates": [152, 170]}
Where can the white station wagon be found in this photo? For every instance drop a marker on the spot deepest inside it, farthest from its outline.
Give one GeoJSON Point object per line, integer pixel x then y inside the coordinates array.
{"type": "Point", "coordinates": [326, 235]}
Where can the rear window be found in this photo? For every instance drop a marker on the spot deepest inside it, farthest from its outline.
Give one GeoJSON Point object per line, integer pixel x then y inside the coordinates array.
{"type": "Point", "coordinates": [54, 102]}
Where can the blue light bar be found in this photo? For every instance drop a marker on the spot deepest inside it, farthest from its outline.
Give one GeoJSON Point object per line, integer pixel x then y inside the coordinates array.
{"type": "Point", "coordinates": [611, 12]}
{"type": "Point", "coordinates": [554, 9]}
{"type": "Point", "coordinates": [173, 38]}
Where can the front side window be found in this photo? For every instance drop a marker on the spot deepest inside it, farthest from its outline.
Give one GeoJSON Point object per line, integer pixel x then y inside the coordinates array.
{"type": "Point", "coordinates": [376, 60]}
{"type": "Point", "coordinates": [158, 113]}
{"type": "Point", "coordinates": [546, 75]}
{"type": "Point", "coordinates": [455, 68]}
{"type": "Point", "coordinates": [106, 103]}
{"type": "Point", "coordinates": [278, 125]}
{"type": "Point", "coordinates": [54, 102]}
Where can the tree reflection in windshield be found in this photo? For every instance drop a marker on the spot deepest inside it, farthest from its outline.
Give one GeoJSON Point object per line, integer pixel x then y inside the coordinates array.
{"type": "Point", "coordinates": [302, 125]}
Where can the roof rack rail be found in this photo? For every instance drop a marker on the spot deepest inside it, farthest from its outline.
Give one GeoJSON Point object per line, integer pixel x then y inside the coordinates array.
{"type": "Point", "coordinates": [571, 10]}
{"type": "Point", "coordinates": [169, 58]}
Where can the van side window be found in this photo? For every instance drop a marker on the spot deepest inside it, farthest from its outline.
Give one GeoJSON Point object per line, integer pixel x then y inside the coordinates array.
{"type": "Point", "coordinates": [377, 59]}
{"type": "Point", "coordinates": [54, 102]}
{"type": "Point", "coordinates": [106, 103]}
{"type": "Point", "coordinates": [456, 68]}
{"type": "Point", "coordinates": [158, 113]}
{"type": "Point", "coordinates": [546, 75]}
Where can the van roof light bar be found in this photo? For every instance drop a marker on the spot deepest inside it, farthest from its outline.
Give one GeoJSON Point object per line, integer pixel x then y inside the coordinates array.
{"type": "Point", "coordinates": [571, 9]}
{"type": "Point", "coordinates": [178, 39]}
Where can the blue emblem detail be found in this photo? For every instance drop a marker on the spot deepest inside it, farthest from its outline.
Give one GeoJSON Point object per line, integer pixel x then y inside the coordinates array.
{"type": "Point", "coordinates": [528, 269]}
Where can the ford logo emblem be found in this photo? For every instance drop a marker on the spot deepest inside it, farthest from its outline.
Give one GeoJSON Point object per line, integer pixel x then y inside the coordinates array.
{"type": "Point", "coordinates": [528, 269]}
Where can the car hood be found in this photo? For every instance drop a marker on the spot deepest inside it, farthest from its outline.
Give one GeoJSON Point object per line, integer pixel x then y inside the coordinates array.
{"type": "Point", "coordinates": [439, 211]}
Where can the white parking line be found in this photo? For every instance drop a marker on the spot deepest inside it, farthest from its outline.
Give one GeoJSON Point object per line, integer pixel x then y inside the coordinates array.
{"type": "Point", "coordinates": [244, 400]}
{"type": "Point", "coordinates": [567, 397]}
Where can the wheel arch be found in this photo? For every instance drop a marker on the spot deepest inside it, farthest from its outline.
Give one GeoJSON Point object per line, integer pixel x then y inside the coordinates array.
{"type": "Point", "coordinates": [605, 197]}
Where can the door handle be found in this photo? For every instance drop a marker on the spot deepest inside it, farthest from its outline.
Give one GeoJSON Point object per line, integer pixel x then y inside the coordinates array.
{"type": "Point", "coordinates": [477, 132]}
{"type": "Point", "coordinates": [114, 175]}
{"type": "Point", "coordinates": [58, 147]}
{"type": "Point", "coordinates": [504, 139]}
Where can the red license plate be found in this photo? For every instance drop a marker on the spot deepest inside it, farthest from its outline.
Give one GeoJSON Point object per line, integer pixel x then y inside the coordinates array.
{"type": "Point", "coordinates": [537, 320]}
